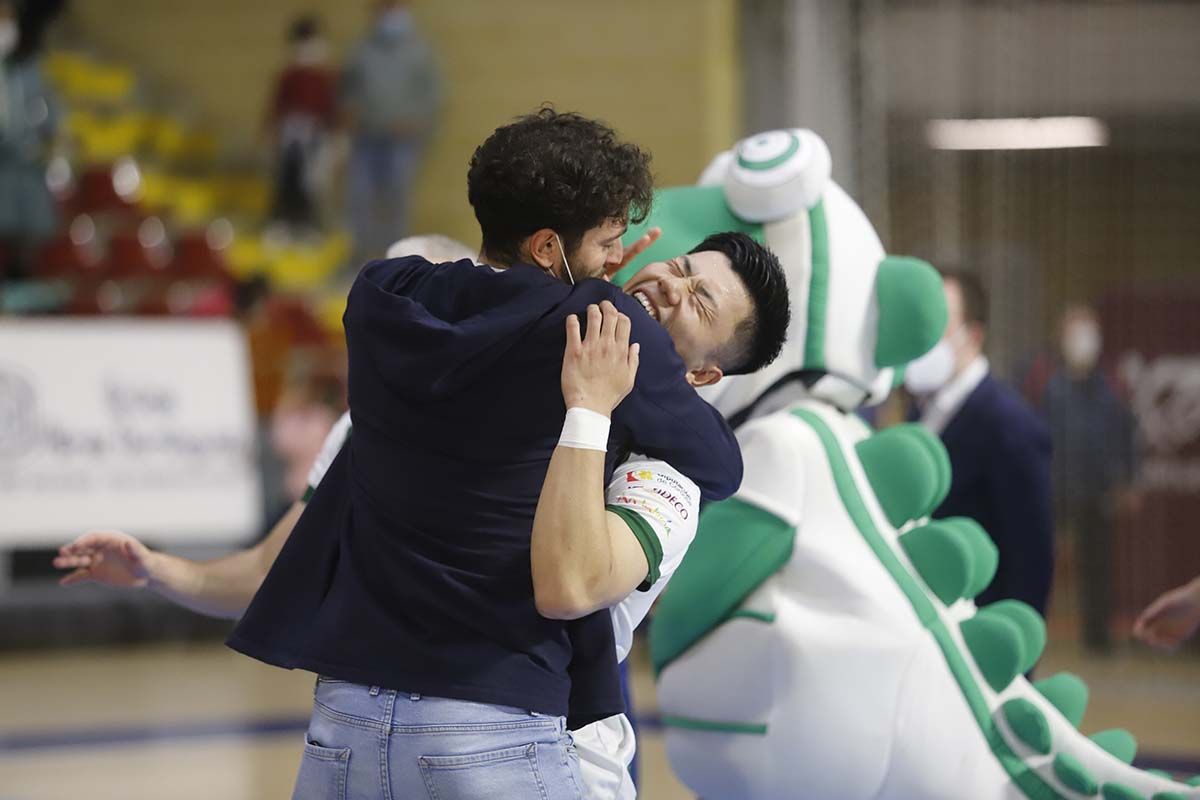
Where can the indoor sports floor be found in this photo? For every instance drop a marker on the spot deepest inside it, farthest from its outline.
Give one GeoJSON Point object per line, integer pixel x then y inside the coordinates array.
{"type": "Point", "coordinates": [198, 721]}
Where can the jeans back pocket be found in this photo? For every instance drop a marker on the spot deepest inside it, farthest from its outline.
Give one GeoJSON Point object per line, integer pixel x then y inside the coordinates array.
{"type": "Point", "coordinates": [512, 772]}
{"type": "Point", "coordinates": [322, 773]}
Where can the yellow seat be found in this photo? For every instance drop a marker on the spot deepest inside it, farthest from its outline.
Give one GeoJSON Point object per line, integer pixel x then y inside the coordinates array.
{"type": "Point", "coordinates": [307, 267]}
{"type": "Point", "coordinates": [110, 84]}
{"type": "Point", "coordinates": [67, 71]}
{"type": "Point", "coordinates": [167, 137]}
{"type": "Point", "coordinates": [247, 257]}
{"type": "Point", "coordinates": [83, 81]}
{"type": "Point", "coordinates": [60, 64]}
{"type": "Point", "coordinates": [330, 307]}
{"type": "Point", "coordinates": [249, 195]}
{"type": "Point", "coordinates": [158, 188]}
{"type": "Point", "coordinates": [193, 201]}
{"type": "Point", "coordinates": [335, 250]}
{"type": "Point", "coordinates": [295, 269]}
{"type": "Point", "coordinates": [199, 145]}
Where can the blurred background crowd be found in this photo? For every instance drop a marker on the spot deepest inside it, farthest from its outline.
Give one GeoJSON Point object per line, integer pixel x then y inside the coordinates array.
{"type": "Point", "coordinates": [239, 161]}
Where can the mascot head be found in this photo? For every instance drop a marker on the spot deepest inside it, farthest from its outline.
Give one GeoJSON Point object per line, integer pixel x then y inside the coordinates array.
{"type": "Point", "coordinates": [858, 314]}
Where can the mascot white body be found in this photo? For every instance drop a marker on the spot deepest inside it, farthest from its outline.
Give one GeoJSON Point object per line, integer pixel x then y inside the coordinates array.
{"type": "Point", "coordinates": [820, 639]}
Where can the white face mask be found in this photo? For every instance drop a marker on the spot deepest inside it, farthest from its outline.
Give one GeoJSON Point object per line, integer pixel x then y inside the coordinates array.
{"type": "Point", "coordinates": [933, 370]}
{"type": "Point", "coordinates": [9, 34]}
{"type": "Point", "coordinates": [312, 52]}
{"type": "Point", "coordinates": [570, 277]}
{"type": "Point", "coordinates": [1081, 345]}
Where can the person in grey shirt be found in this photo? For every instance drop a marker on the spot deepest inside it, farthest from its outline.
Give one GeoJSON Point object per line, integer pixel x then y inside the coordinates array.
{"type": "Point", "coordinates": [1094, 463]}
{"type": "Point", "coordinates": [29, 118]}
{"type": "Point", "coordinates": [388, 95]}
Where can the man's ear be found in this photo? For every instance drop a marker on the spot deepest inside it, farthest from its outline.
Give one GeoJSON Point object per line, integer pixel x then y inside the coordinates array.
{"type": "Point", "coordinates": [704, 376]}
{"type": "Point", "coordinates": [542, 246]}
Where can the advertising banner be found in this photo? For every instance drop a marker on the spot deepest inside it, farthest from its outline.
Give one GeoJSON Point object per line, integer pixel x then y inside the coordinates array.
{"type": "Point", "coordinates": [145, 426]}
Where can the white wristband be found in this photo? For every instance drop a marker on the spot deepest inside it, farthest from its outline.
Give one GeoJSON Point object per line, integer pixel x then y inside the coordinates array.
{"type": "Point", "coordinates": [584, 429]}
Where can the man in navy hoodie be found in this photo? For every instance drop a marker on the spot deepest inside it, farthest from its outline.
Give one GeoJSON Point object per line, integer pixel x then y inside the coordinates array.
{"type": "Point", "coordinates": [411, 569]}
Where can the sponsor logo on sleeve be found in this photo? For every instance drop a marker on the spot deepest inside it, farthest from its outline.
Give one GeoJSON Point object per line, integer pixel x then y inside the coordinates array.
{"type": "Point", "coordinates": [680, 507]}
{"type": "Point", "coordinates": [650, 476]}
{"type": "Point", "coordinates": [646, 508]}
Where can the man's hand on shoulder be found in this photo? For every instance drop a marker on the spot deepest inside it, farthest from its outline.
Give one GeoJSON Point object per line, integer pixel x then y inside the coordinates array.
{"type": "Point", "coordinates": [599, 369]}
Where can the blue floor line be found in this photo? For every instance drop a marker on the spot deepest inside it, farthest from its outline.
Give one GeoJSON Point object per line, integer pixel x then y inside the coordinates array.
{"type": "Point", "coordinates": [117, 735]}
{"type": "Point", "coordinates": [12, 742]}
{"type": "Point", "coordinates": [16, 742]}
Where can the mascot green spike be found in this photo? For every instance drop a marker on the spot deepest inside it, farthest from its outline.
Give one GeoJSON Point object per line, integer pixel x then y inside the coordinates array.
{"type": "Point", "coordinates": [820, 639]}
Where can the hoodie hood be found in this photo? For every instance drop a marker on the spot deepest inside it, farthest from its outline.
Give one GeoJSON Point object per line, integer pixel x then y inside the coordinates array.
{"type": "Point", "coordinates": [432, 329]}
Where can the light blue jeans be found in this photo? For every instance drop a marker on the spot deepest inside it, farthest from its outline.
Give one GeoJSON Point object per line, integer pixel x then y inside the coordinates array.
{"type": "Point", "coordinates": [367, 742]}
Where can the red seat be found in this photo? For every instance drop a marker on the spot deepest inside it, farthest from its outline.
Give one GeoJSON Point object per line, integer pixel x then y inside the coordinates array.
{"type": "Point", "coordinates": [61, 257]}
{"type": "Point", "coordinates": [94, 297]}
{"type": "Point", "coordinates": [97, 193]}
{"type": "Point", "coordinates": [214, 300]}
{"type": "Point", "coordinates": [292, 314]}
{"type": "Point", "coordinates": [129, 258]}
{"type": "Point", "coordinates": [195, 259]}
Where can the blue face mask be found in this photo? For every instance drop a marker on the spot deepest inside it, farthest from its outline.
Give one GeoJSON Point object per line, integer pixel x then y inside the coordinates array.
{"type": "Point", "coordinates": [395, 21]}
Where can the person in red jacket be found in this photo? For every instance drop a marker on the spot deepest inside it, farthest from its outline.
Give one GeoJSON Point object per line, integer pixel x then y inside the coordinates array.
{"type": "Point", "coordinates": [302, 115]}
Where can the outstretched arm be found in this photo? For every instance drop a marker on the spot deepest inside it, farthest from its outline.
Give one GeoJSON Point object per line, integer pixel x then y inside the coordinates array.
{"type": "Point", "coordinates": [1172, 618]}
{"type": "Point", "coordinates": [221, 587]}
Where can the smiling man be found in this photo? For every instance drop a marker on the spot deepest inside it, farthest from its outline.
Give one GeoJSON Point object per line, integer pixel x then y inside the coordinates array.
{"type": "Point", "coordinates": [705, 302]}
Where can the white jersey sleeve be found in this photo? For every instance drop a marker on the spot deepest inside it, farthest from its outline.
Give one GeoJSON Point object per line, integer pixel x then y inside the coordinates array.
{"type": "Point", "coordinates": [661, 507]}
{"type": "Point", "coordinates": [337, 437]}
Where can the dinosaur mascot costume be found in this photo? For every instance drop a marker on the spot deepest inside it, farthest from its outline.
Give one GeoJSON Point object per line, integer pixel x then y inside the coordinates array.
{"type": "Point", "coordinates": [820, 639]}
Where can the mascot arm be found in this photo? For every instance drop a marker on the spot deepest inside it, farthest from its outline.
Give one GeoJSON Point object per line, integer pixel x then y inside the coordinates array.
{"type": "Point", "coordinates": [740, 542]}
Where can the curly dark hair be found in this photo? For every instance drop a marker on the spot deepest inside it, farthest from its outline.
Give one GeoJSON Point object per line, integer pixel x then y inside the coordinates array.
{"type": "Point", "coordinates": [554, 170]}
{"type": "Point", "coordinates": [759, 338]}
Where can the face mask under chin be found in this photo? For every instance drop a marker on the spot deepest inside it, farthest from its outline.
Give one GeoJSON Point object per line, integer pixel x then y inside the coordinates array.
{"type": "Point", "coordinates": [566, 265]}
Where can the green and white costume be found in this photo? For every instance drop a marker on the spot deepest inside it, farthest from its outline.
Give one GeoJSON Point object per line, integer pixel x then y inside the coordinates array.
{"type": "Point", "coordinates": [820, 639]}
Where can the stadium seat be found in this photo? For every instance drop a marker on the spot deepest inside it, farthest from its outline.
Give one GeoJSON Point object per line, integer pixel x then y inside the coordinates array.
{"type": "Point", "coordinates": [196, 259]}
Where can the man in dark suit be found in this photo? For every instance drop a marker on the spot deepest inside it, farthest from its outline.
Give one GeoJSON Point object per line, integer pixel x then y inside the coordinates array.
{"type": "Point", "coordinates": [999, 448]}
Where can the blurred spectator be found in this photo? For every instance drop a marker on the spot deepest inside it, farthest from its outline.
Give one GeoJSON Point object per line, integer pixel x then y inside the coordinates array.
{"type": "Point", "coordinates": [281, 333]}
{"type": "Point", "coordinates": [306, 412]}
{"type": "Point", "coordinates": [303, 113]}
{"type": "Point", "coordinates": [999, 449]}
{"type": "Point", "coordinates": [277, 326]}
{"type": "Point", "coordinates": [1092, 432]}
{"type": "Point", "coordinates": [28, 122]}
{"type": "Point", "coordinates": [389, 94]}
{"type": "Point", "coordinates": [1171, 619]}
